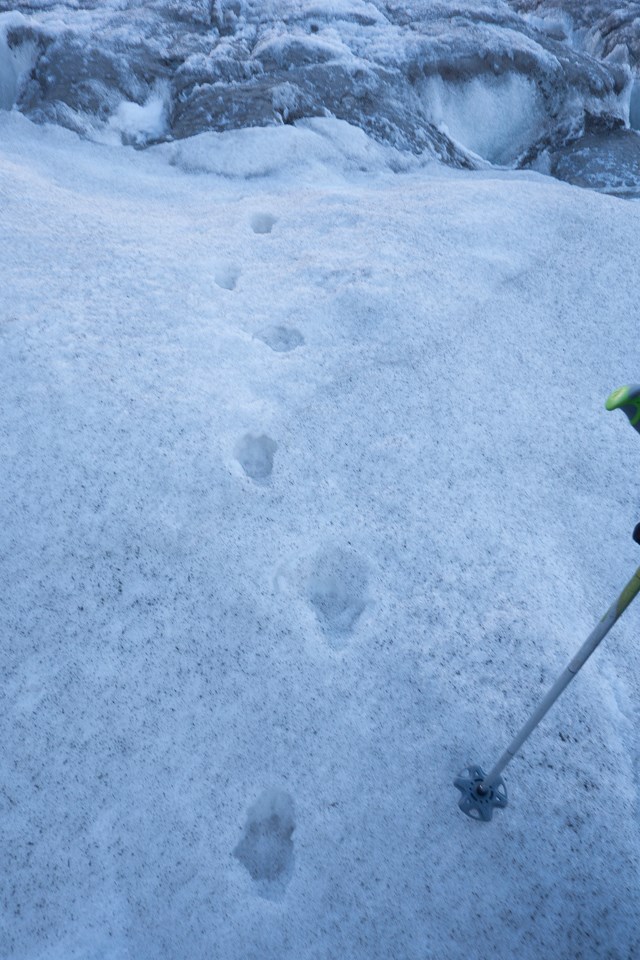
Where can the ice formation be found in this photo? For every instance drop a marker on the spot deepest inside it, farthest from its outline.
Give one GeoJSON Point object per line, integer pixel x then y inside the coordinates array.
{"type": "Point", "coordinates": [468, 82]}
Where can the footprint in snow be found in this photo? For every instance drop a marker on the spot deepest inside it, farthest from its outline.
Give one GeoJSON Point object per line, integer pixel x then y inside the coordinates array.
{"type": "Point", "coordinates": [281, 339]}
{"type": "Point", "coordinates": [254, 453]}
{"type": "Point", "coordinates": [263, 222]}
{"type": "Point", "coordinates": [227, 276]}
{"type": "Point", "coordinates": [337, 591]}
{"type": "Point", "coordinates": [266, 848]}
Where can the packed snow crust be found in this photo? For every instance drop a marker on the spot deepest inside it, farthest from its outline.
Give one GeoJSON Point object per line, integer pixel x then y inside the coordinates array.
{"type": "Point", "coordinates": [308, 494]}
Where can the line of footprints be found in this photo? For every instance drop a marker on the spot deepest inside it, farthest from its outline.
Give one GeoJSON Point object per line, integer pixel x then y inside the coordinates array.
{"type": "Point", "coordinates": [336, 588]}
{"type": "Point", "coordinates": [255, 452]}
{"type": "Point", "coordinates": [336, 578]}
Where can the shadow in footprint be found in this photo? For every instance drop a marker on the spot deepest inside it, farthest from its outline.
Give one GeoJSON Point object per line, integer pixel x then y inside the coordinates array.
{"type": "Point", "coordinates": [337, 590]}
{"type": "Point", "coordinates": [281, 339]}
{"type": "Point", "coordinates": [255, 454]}
{"type": "Point", "coordinates": [263, 222]}
{"type": "Point", "coordinates": [227, 276]}
{"type": "Point", "coordinates": [266, 848]}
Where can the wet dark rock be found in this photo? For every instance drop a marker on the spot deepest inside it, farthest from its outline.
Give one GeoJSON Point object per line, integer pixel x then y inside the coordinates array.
{"type": "Point", "coordinates": [607, 160]}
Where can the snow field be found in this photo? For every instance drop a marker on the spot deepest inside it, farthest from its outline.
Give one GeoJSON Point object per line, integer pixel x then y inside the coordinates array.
{"type": "Point", "coordinates": [308, 495]}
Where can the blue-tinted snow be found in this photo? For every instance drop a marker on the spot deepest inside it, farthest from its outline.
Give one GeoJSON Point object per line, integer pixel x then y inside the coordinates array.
{"type": "Point", "coordinates": [308, 493]}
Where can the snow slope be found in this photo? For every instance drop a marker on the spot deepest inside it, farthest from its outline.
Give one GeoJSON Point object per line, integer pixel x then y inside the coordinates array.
{"type": "Point", "coordinates": [308, 493]}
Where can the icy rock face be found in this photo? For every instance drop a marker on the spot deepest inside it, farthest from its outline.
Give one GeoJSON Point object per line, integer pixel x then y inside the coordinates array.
{"type": "Point", "coordinates": [602, 159]}
{"type": "Point", "coordinates": [604, 155]}
{"type": "Point", "coordinates": [605, 28]}
{"type": "Point", "coordinates": [16, 59]}
{"type": "Point", "coordinates": [463, 80]}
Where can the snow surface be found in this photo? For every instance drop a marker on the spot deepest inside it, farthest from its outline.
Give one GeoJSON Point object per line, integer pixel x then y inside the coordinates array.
{"type": "Point", "coordinates": [308, 494]}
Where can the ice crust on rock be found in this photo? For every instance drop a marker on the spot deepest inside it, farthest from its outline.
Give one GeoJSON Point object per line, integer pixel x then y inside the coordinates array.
{"type": "Point", "coordinates": [415, 75]}
{"type": "Point", "coordinates": [496, 118]}
{"type": "Point", "coordinates": [16, 59]}
{"type": "Point", "coordinates": [608, 161]}
{"type": "Point", "coordinates": [607, 29]}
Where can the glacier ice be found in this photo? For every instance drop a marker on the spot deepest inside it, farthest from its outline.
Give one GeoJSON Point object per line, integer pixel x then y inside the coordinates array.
{"type": "Point", "coordinates": [467, 82]}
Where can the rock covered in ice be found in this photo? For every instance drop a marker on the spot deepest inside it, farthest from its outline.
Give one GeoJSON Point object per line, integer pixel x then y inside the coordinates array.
{"type": "Point", "coordinates": [464, 81]}
{"type": "Point", "coordinates": [608, 29]}
{"type": "Point", "coordinates": [605, 155]}
{"type": "Point", "coordinates": [603, 158]}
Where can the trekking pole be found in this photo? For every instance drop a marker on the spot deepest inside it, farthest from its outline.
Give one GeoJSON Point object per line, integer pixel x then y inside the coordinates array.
{"type": "Point", "coordinates": [481, 793]}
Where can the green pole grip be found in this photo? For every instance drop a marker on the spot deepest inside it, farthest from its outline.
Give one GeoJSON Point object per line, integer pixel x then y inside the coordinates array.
{"type": "Point", "coordinates": [626, 399]}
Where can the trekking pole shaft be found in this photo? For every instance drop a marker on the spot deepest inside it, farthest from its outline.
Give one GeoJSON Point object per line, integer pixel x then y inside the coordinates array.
{"type": "Point", "coordinates": [611, 616]}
